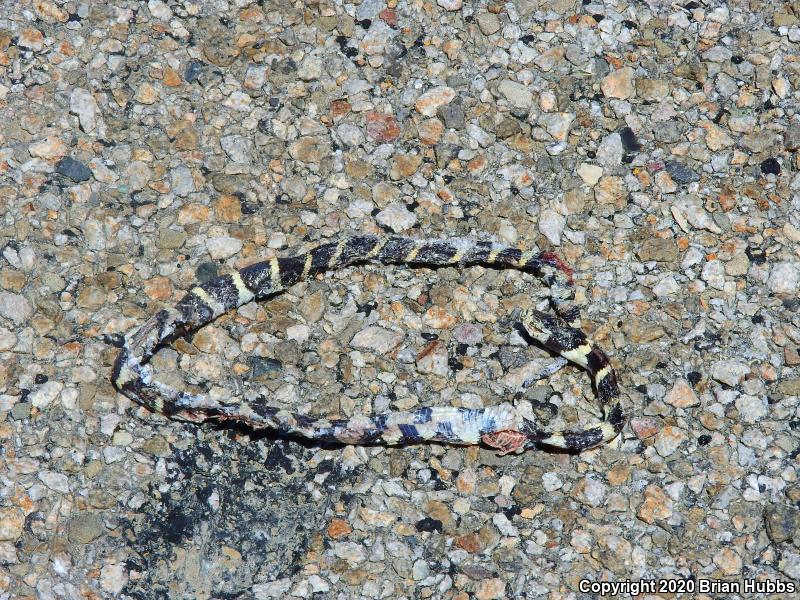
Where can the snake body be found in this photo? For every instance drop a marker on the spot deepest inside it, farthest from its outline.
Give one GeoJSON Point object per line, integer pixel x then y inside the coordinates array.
{"type": "Point", "coordinates": [501, 427]}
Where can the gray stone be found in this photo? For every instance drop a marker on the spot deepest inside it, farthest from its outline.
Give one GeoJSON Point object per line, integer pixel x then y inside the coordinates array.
{"type": "Point", "coordinates": [658, 249]}
{"type": "Point", "coordinates": [680, 173]}
{"type": "Point", "coordinates": [784, 277]}
{"type": "Point", "coordinates": [489, 23]}
{"type": "Point", "coordinates": [377, 339]}
{"type": "Point", "coordinates": [468, 333]}
{"type": "Point", "coordinates": [259, 367]}
{"type": "Point", "coordinates": [45, 394]}
{"type": "Point", "coordinates": [714, 274]}
{"type": "Point", "coordinates": [223, 247]}
{"type": "Point", "coordinates": [610, 151]}
{"type": "Point", "coordinates": [781, 522]}
{"type": "Point", "coordinates": [138, 174]}
{"type": "Point", "coordinates": [751, 408]}
{"type": "Point", "coordinates": [238, 148]}
{"type": "Point", "coordinates": [760, 141]}
{"type": "Point", "coordinates": [452, 115]}
{"type": "Point", "coordinates": [75, 170]}
{"type": "Point", "coordinates": [83, 104]}
{"type": "Point", "coordinates": [350, 135]}
{"type": "Point", "coordinates": [85, 528]}
{"type": "Point", "coordinates": [397, 217]}
{"type": "Point", "coordinates": [729, 372]}
{"type": "Point", "coordinates": [21, 410]}
{"type": "Point", "coordinates": [791, 139]}
{"type": "Point", "coordinates": [182, 181]}
{"type": "Point", "coordinates": [517, 94]}
{"type": "Point", "coordinates": [58, 482]}
{"type": "Point", "coordinates": [788, 387]}
{"type": "Point", "coordinates": [369, 9]}
{"type": "Point", "coordinates": [551, 225]}
{"type": "Point", "coordinates": [15, 307]}
{"type": "Point", "coordinates": [310, 68]}
{"type": "Point", "coordinates": [789, 564]}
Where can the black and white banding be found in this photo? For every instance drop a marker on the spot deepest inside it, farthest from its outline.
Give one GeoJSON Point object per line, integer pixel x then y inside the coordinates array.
{"type": "Point", "coordinates": [501, 427]}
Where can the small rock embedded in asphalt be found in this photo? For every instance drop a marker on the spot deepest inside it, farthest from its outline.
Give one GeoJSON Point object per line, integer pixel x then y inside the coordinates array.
{"type": "Point", "coordinates": [771, 167]}
{"type": "Point", "coordinates": [75, 170]}
{"type": "Point", "coordinates": [679, 172]}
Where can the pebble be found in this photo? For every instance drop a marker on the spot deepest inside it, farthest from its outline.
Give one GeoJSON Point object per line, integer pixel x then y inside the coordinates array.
{"type": "Point", "coordinates": [590, 174]}
{"type": "Point", "coordinates": [557, 124]}
{"type": "Point", "coordinates": [223, 247]}
{"type": "Point", "coordinates": [729, 372]}
{"type": "Point", "coordinates": [377, 339]}
{"type": "Point", "coordinates": [619, 84]}
{"type": "Point", "coordinates": [429, 102]}
{"type": "Point", "coordinates": [791, 139]}
{"type": "Point", "coordinates": [382, 127]}
{"type": "Point", "coordinates": [75, 170]}
{"type": "Point", "coordinates": [751, 408]}
{"type": "Point", "coordinates": [681, 395]}
{"type": "Point", "coordinates": [728, 561]}
{"type": "Point", "coordinates": [551, 482]}
{"type": "Point", "coordinates": [551, 225]}
{"type": "Point", "coordinates": [488, 23]}
{"type": "Point", "coordinates": [349, 551]}
{"type": "Point", "coordinates": [310, 68]}
{"type": "Point", "coordinates": [310, 149]}
{"type": "Point", "coordinates": [784, 278]}
{"type": "Point", "coordinates": [782, 522]}
{"type": "Point", "coordinates": [438, 318]}
{"type": "Point", "coordinates": [193, 70]}
{"type": "Point", "coordinates": [433, 359]}
{"type": "Point", "coordinates": [113, 576]}
{"type": "Point", "coordinates": [49, 147]}
{"type": "Point", "coordinates": [12, 521]}
{"type": "Point", "coordinates": [610, 151]}
{"type": "Point", "coordinates": [146, 94]}
{"type": "Point", "coordinates": [679, 172]}
{"type": "Point", "coordinates": [468, 333]}
{"type": "Point", "coordinates": [83, 104]}
{"type": "Point", "coordinates": [657, 505]}
{"type": "Point", "coordinates": [490, 589]}
{"type": "Point", "coordinates": [8, 339]}
{"type": "Point", "coordinates": [658, 249]}
{"type": "Point", "coordinates": [396, 217]}
{"type": "Point", "coordinates": [272, 589]}
{"type": "Point", "coordinates": [350, 135]}
{"type": "Point", "coordinates": [182, 182]}
{"type": "Point", "coordinates": [517, 94]}
{"type": "Point", "coordinates": [451, 5]}
{"type": "Point", "coordinates": [714, 274]}
{"type": "Point", "coordinates": [789, 564]}
{"type": "Point", "coordinates": [453, 116]}
{"type": "Point", "coordinates": [58, 482]}
{"type": "Point", "coordinates": [238, 148]}
{"type": "Point", "coordinates": [45, 394]}
{"type": "Point", "coordinates": [405, 165]}
{"type": "Point", "coordinates": [590, 491]}
{"type": "Point", "coordinates": [138, 175]}
{"type": "Point", "coordinates": [15, 307]}
{"type": "Point", "coordinates": [668, 440]}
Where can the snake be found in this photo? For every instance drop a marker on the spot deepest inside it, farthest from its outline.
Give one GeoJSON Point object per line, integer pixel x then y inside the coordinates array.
{"type": "Point", "coordinates": [502, 427]}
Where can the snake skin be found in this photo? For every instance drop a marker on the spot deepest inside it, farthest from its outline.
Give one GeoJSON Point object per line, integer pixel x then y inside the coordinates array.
{"type": "Point", "coordinates": [500, 427]}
